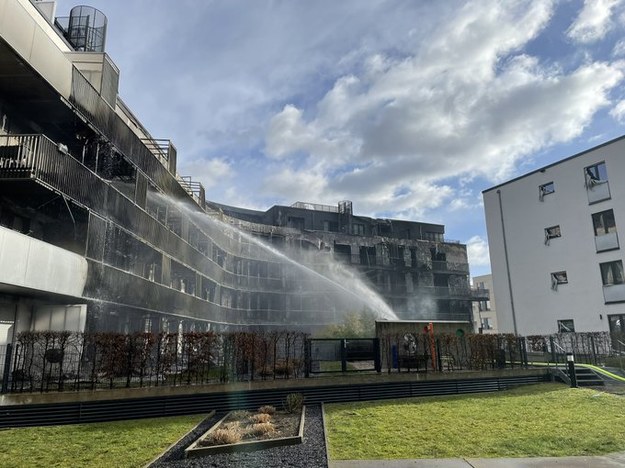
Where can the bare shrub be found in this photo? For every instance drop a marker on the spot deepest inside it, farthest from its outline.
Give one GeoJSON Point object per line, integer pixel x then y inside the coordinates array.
{"type": "Point", "coordinates": [267, 409]}
{"type": "Point", "coordinates": [293, 402]}
{"type": "Point", "coordinates": [260, 418]}
{"type": "Point", "coordinates": [225, 436]}
{"type": "Point", "coordinates": [261, 429]}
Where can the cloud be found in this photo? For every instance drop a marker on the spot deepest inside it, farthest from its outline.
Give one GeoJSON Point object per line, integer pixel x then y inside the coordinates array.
{"type": "Point", "coordinates": [618, 112]}
{"type": "Point", "coordinates": [468, 102]}
{"type": "Point", "coordinates": [207, 171]}
{"type": "Point", "coordinates": [593, 22]}
{"type": "Point", "coordinates": [477, 252]}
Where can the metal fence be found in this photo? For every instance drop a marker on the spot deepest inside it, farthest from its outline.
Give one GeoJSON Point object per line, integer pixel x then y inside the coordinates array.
{"type": "Point", "coordinates": [64, 361]}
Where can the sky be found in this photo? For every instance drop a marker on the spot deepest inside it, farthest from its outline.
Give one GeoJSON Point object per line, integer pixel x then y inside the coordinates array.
{"type": "Point", "coordinates": [408, 108]}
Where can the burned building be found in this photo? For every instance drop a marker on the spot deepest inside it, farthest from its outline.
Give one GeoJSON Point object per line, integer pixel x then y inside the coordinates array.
{"type": "Point", "coordinates": [409, 264]}
{"type": "Point", "coordinates": [98, 231]}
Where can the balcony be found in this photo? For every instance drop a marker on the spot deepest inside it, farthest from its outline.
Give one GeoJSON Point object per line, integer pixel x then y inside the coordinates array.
{"type": "Point", "coordinates": [478, 294]}
{"type": "Point", "coordinates": [18, 154]}
{"type": "Point", "coordinates": [607, 242]}
{"type": "Point", "coordinates": [36, 157]}
{"type": "Point", "coordinates": [30, 263]}
{"type": "Point", "coordinates": [440, 292]}
{"type": "Point", "coordinates": [450, 267]}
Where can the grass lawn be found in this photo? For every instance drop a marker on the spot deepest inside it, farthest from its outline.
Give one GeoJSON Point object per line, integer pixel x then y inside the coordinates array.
{"type": "Point", "coordinates": [536, 420]}
{"type": "Point", "coordinates": [118, 444]}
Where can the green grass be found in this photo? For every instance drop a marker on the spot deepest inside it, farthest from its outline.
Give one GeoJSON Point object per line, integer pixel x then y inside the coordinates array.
{"type": "Point", "coordinates": [537, 420]}
{"type": "Point", "coordinates": [118, 444]}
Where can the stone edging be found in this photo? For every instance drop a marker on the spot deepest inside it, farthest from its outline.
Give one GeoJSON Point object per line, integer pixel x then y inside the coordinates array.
{"type": "Point", "coordinates": [325, 433]}
{"type": "Point", "coordinates": [164, 452]}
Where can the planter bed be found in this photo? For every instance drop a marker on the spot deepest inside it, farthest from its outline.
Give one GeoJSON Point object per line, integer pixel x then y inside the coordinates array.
{"type": "Point", "coordinates": [289, 431]}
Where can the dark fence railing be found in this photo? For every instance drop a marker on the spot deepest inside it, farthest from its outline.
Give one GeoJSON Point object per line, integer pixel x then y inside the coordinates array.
{"type": "Point", "coordinates": [64, 361]}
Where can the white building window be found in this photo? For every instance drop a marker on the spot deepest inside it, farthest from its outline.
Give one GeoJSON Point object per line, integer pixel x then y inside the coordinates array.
{"type": "Point", "coordinates": [551, 233]}
{"type": "Point", "coordinates": [612, 273]}
{"type": "Point", "coordinates": [545, 189]}
{"type": "Point", "coordinates": [566, 326]}
{"type": "Point", "coordinates": [596, 174]}
{"type": "Point", "coordinates": [604, 223]}
{"type": "Point", "coordinates": [557, 278]}
{"type": "Point", "coordinates": [596, 180]}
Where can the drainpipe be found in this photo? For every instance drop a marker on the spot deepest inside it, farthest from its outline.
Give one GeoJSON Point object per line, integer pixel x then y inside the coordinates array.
{"type": "Point", "coordinates": [505, 250]}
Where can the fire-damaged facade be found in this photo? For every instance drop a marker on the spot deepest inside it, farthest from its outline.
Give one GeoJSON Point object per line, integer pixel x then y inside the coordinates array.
{"type": "Point", "coordinates": [98, 231]}
{"type": "Point", "coordinates": [409, 264]}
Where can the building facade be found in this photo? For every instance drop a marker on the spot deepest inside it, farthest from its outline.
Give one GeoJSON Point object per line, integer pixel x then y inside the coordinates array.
{"type": "Point", "coordinates": [554, 244]}
{"type": "Point", "coordinates": [98, 231]}
{"type": "Point", "coordinates": [409, 264]}
{"type": "Point", "coordinates": [485, 310]}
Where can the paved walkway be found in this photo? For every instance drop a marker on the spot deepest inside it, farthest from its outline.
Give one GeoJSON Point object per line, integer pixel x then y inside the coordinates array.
{"type": "Point", "coordinates": [607, 461]}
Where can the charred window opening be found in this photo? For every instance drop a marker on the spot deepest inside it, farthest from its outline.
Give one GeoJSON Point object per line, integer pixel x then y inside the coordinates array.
{"type": "Point", "coordinates": [367, 256]}
{"type": "Point", "coordinates": [343, 252]}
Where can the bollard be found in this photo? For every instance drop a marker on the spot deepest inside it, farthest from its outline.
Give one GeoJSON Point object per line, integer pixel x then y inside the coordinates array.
{"type": "Point", "coordinates": [570, 359]}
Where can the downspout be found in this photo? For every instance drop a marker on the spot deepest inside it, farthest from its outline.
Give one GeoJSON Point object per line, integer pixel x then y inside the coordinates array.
{"type": "Point", "coordinates": [505, 250]}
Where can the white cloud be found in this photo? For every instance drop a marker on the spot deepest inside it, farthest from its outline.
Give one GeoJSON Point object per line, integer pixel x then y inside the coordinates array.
{"type": "Point", "coordinates": [477, 252]}
{"type": "Point", "coordinates": [467, 102]}
{"type": "Point", "coordinates": [593, 21]}
{"type": "Point", "coordinates": [207, 171]}
{"type": "Point", "coordinates": [618, 112]}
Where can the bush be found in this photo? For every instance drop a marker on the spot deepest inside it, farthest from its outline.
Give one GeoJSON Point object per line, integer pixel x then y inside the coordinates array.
{"type": "Point", "coordinates": [261, 418]}
{"type": "Point", "coordinates": [267, 409]}
{"type": "Point", "coordinates": [293, 402]}
{"type": "Point", "coordinates": [261, 428]}
{"type": "Point", "coordinates": [226, 436]}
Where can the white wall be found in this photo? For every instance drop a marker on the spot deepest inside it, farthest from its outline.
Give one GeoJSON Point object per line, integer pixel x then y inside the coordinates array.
{"type": "Point", "coordinates": [24, 29]}
{"type": "Point", "coordinates": [537, 306]}
{"type": "Point", "coordinates": [30, 263]}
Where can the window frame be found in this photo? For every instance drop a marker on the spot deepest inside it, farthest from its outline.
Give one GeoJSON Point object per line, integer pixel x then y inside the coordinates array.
{"type": "Point", "coordinates": [604, 227]}
{"type": "Point", "coordinates": [607, 268]}
{"type": "Point", "coordinates": [558, 278]}
{"type": "Point", "coordinates": [543, 190]}
{"type": "Point", "coordinates": [593, 173]}
{"type": "Point", "coordinates": [549, 235]}
{"type": "Point", "coordinates": [564, 328]}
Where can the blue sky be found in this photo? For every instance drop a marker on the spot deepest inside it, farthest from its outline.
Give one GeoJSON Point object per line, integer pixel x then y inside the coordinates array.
{"type": "Point", "coordinates": [408, 108]}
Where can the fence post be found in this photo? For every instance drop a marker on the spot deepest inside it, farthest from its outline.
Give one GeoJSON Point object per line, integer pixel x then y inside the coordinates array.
{"type": "Point", "coordinates": [307, 363]}
{"type": "Point", "coordinates": [7, 369]}
{"type": "Point", "coordinates": [343, 355]}
{"type": "Point", "coordinates": [377, 355]}
{"type": "Point", "coordinates": [553, 349]}
{"type": "Point", "coordinates": [594, 351]}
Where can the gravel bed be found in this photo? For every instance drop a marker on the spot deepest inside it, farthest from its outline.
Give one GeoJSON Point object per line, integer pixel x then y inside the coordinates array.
{"type": "Point", "coordinates": [310, 453]}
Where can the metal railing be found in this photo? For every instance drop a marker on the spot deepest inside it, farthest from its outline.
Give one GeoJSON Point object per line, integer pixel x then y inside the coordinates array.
{"type": "Point", "coordinates": [38, 157]}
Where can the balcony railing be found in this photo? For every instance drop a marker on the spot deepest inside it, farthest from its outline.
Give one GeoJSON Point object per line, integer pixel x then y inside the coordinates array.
{"type": "Point", "coordinates": [38, 157]}
{"type": "Point", "coordinates": [450, 267]}
{"type": "Point", "coordinates": [441, 292]}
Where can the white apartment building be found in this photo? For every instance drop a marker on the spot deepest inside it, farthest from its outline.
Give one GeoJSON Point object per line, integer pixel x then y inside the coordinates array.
{"type": "Point", "coordinates": [555, 252]}
{"type": "Point", "coordinates": [485, 311]}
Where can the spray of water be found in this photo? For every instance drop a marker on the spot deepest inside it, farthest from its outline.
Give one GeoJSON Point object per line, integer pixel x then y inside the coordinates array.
{"type": "Point", "coordinates": [336, 276]}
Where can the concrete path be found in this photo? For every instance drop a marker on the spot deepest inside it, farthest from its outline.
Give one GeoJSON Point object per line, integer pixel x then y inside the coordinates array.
{"type": "Point", "coordinates": [607, 461]}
